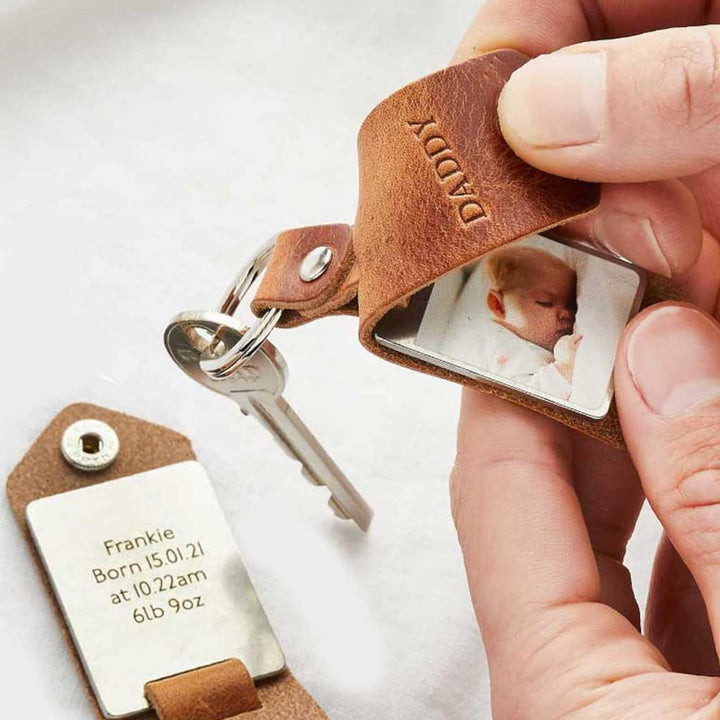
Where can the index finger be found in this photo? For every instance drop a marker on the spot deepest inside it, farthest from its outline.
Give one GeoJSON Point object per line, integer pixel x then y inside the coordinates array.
{"type": "Point", "coordinates": [532, 572]}
{"type": "Point", "coordinates": [535, 27]}
{"type": "Point", "coordinates": [518, 518]}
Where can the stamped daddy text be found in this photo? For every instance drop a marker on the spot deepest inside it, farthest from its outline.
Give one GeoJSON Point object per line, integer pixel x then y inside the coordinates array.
{"type": "Point", "coordinates": [448, 171]}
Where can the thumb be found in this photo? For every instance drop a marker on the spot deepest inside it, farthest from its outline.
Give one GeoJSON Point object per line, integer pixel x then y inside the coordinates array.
{"type": "Point", "coordinates": [667, 381]}
{"type": "Point", "coordinates": [628, 110]}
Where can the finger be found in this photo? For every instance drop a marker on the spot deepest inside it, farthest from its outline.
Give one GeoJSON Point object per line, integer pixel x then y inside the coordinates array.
{"type": "Point", "coordinates": [701, 284]}
{"type": "Point", "coordinates": [667, 381]}
{"type": "Point", "coordinates": [541, 26]}
{"type": "Point", "coordinates": [676, 619]}
{"type": "Point", "coordinates": [655, 225]}
{"type": "Point", "coordinates": [530, 566]}
{"type": "Point", "coordinates": [626, 110]}
{"type": "Point", "coordinates": [530, 27]}
{"type": "Point", "coordinates": [516, 512]}
{"type": "Point", "coordinates": [610, 496]}
{"type": "Point", "coordinates": [706, 190]}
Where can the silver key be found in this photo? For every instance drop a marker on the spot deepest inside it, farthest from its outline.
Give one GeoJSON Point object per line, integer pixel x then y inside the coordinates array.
{"type": "Point", "coordinates": [257, 387]}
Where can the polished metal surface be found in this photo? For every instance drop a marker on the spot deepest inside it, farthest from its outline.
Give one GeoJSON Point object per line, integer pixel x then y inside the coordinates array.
{"type": "Point", "coordinates": [315, 263]}
{"type": "Point", "coordinates": [257, 388]}
{"type": "Point", "coordinates": [90, 445]}
{"type": "Point", "coordinates": [194, 336]}
{"type": "Point", "coordinates": [150, 581]}
{"type": "Point", "coordinates": [249, 343]}
{"type": "Point", "coordinates": [398, 330]}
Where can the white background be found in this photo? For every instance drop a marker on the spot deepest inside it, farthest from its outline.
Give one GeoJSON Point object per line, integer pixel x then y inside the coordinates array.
{"type": "Point", "coordinates": [148, 147]}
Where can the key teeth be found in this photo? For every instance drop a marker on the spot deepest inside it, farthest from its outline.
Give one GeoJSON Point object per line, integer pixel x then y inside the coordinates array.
{"type": "Point", "coordinates": [303, 469]}
{"type": "Point", "coordinates": [338, 509]}
{"type": "Point", "coordinates": [281, 444]}
{"type": "Point", "coordinates": [309, 476]}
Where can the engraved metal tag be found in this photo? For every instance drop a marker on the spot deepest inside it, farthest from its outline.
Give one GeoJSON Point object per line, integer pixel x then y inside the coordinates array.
{"type": "Point", "coordinates": [151, 583]}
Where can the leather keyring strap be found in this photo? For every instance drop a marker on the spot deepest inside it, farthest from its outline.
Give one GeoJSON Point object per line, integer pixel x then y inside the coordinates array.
{"type": "Point", "coordinates": [226, 690]}
{"type": "Point", "coordinates": [215, 692]}
{"type": "Point", "coordinates": [439, 188]}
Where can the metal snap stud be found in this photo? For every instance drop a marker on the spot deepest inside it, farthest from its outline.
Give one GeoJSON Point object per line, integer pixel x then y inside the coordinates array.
{"type": "Point", "coordinates": [315, 263]}
{"type": "Point", "coordinates": [90, 445]}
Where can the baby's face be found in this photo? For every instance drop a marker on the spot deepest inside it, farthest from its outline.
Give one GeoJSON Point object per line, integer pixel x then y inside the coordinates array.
{"type": "Point", "coordinates": [544, 310]}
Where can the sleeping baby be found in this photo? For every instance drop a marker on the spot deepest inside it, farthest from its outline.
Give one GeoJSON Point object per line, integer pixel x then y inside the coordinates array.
{"type": "Point", "coordinates": [532, 303]}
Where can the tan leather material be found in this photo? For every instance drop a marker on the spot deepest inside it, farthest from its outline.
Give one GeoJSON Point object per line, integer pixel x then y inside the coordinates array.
{"type": "Point", "coordinates": [282, 287]}
{"type": "Point", "coordinates": [143, 446]}
{"type": "Point", "coordinates": [284, 698]}
{"type": "Point", "coordinates": [280, 697]}
{"type": "Point", "coordinates": [439, 187]}
{"type": "Point", "coordinates": [215, 692]}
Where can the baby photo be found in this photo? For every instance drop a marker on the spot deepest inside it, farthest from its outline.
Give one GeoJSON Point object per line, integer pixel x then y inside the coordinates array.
{"type": "Point", "coordinates": [543, 316]}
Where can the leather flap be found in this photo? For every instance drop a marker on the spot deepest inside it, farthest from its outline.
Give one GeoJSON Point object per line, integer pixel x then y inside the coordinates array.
{"type": "Point", "coordinates": [439, 187]}
{"type": "Point", "coordinates": [333, 292]}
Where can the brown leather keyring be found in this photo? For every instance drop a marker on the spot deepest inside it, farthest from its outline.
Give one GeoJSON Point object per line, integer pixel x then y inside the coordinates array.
{"type": "Point", "coordinates": [439, 188]}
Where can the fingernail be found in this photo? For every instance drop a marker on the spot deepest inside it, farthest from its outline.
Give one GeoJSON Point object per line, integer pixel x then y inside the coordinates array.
{"type": "Point", "coordinates": [556, 100]}
{"type": "Point", "coordinates": [673, 356]}
{"type": "Point", "coordinates": [633, 237]}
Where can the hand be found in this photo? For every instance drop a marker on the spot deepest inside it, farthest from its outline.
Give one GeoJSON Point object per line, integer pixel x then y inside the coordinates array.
{"type": "Point", "coordinates": [543, 513]}
{"type": "Point", "coordinates": [543, 516]}
{"type": "Point", "coordinates": [635, 113]}
{"type": "Point", "coordinates": [565, 351]}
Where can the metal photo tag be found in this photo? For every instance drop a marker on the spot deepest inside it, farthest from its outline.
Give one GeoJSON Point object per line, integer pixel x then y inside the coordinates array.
{"type": "Point", "coordinates": [150, 581]}
{"type": "Point", "coordinates": [541, 316]}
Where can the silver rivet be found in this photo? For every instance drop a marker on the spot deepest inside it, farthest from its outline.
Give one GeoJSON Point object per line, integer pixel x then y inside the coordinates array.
{"type": "Point", "coordinates": [315, 263]}
{"type": "Point", "coordinates": [90, 445]}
